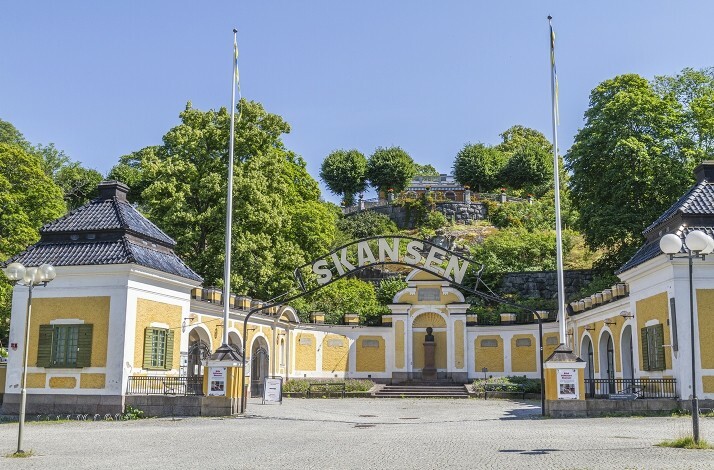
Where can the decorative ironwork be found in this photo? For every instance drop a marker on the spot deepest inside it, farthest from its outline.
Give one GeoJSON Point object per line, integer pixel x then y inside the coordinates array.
{"type": "Point", "coordinates": [165, 385]}
{"type": "Point", "coordinates": [639, 388]}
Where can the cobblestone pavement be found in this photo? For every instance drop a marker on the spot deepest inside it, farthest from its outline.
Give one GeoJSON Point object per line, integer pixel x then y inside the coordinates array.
{"type": "Point", "coordinates": [364, 434]}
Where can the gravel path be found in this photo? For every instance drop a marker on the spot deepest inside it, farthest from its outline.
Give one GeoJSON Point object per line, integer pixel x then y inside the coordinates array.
{"type": "Point", "coordinates": [364, 434]}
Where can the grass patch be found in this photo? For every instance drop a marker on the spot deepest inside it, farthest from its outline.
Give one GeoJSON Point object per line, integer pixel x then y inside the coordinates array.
{"type": "Point", "coordinates": [686, 442]}
{"type": "Point", "coordinates": [20, 455]}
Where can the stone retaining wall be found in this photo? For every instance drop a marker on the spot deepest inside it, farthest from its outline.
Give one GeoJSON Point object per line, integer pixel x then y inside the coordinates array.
{"type": "Point", "coordinates": [544, 284]}
{"type": "Point", "coordinates": [459, 212]}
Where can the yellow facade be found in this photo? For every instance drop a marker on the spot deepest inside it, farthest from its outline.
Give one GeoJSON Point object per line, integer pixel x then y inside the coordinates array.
{"type": "Point", "coordinates": [490, 357]}
{"type": "Point", "coordinates": [36, 380]}
{"type": "Point", "coordinates": [429, 319]}
{"type": "Point", "coordinates": [148, 312]}
{"type": "Point", "coordinates": [705, 309]}
{"type": "Point", "coordinates": [92, 380]}
{"type": "Point", "coordinates": [656, 308]}
{"type": "Point", "coordinates": [548, 349]}
{"type": "Point", "coordinates": [439, 350]}
{"type": "Point", "coordinates": [305, 352]}
{"type": "Point", "coordinates": [708, 383]}
{"type": "Point", "coordinates": [63, 382]}
{"type": "Point", "coordinates": [371, 359]}
{"type": "Point", "coordinates": [335, 353]}
{"type": "Point", "coordinates": [523, 358]}
{"type": "Point", "coordinates": [91, 310]}
{"type": "Point", "coordinates": [399, 344]}
{"type": "Point", "coordinates": [459, 344]}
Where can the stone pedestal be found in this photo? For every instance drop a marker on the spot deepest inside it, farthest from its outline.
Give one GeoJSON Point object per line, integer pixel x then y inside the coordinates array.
{"type": "Point", "coordinates": [429, 370]}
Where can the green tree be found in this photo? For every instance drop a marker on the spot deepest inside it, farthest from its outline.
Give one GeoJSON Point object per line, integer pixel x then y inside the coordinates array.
{"type": "Point", "coordinates": [529, 168]}
{"type": "Point", "coordinates": [390, 167]}
{"type": "Point", "coordinates": [479, 166]}
{"type": "Point", "coordinates": [388, 288]}
{"type": "Point", "coordinates": [278, 221]}
{"type": "Point", "coordinates": [29, 199]}
{"type": "Point", "coordinates": [694, 90]}
{"type": "Point", "coordinates": [519, 136]}
{"type": "Point", "coordinates": [365, 224]}
{"type": "Point", "coordinates": [345, 173]}
{"type": "Point", "coordinates": [630, 161]}
{"type": "Point", "coordinates": [425, 170]}
{"type": "Point", "coordinates": [79, 184]}
{"type": "Point", "coordinates": [341, 297]}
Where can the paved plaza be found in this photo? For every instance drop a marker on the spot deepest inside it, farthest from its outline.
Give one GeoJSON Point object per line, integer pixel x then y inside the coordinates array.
{"type": "Point", "coordinates": [364, 434]}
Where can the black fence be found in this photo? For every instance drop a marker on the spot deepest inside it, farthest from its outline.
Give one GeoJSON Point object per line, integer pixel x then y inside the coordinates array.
{"type": "Point", "coordinates": [165, 385]}
{"type": "Point", "coordinates": [631, 388]}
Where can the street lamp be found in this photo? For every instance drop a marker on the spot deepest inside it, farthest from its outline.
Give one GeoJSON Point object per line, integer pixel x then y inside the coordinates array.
{"type": "Point", "coordinates": [697, 244]}
{"type": "Point", "coordinates": [30, 277]}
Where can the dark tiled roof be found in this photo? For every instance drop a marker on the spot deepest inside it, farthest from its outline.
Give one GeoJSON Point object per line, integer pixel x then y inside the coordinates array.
{"type": "Point", "coordinates": [107, 230]}
{"type": "Point", "coordinates": [651, 249]}
{"type": "Point", "coordinates": [119, 251]}
{"type": "Point", "coordinates": [106, 215]}
{"type": "Point", "coordinates": [699, 200]}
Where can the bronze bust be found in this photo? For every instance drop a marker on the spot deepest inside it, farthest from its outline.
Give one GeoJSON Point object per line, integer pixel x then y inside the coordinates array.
{"type": "Point", "coordinates": [429, 336]}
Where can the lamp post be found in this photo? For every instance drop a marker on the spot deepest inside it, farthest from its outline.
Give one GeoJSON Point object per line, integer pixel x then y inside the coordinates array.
{"type": "Point", "coordinates": [30, 277]}
{"type": "Point", "coordinates": [697, 244]}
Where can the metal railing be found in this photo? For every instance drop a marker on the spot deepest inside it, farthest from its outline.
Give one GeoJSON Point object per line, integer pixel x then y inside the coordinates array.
{"type": "Point", "coordinates": [636, 388]}
{"type": "Point", "coordinates": [164, 385]}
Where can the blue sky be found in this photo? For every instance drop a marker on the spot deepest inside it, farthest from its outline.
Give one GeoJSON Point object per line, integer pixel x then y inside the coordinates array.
{"type": "Point", "coordinates": [102, 79]}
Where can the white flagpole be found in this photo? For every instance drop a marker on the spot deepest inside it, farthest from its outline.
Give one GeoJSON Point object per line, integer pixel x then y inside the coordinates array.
{"type": "Point", "coordinates": [229, 197]}
{"type": "Point", "coordinates": [556, 181]}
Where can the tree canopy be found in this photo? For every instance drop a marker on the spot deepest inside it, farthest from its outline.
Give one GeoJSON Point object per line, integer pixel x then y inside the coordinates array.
{"type": "Point", "coordinates": [278, 221]}
{"type": "Point", "coordinates": [390, 168]}
{"type": "Point", "coordinates": [631, 160]}
{"type": "Point", "coordinates": [345, 173]}
{"type": "Point", "coordinates": [479, 166]}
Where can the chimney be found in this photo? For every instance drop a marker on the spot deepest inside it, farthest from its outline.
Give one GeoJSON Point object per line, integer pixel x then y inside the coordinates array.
{"type": "Point", "coordinates": [705, 171]}
{"type": "Point", "coordinates": [112, 188]}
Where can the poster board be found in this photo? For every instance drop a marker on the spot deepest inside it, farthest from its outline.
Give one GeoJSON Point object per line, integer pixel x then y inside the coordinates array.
{"type": "Point", "coordinates": [273, 390]}
{"type": "Point", "coordinates": [217, 382]}
{"type": "Point", "coordinates": [567, 384]}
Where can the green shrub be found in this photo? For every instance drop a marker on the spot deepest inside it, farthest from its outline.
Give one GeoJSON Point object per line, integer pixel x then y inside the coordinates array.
{"type": "Point", "coordinates": [351, 385]}
{"type": "Point", "coordinates": [435, 220]}
{"type": "Point", "coordinates": [511, 383]}
{"type": "Point", "coordinates": [132, 413]}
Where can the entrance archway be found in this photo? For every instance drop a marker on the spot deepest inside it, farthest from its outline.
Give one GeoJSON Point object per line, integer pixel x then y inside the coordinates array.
{"type": "Point", "coordinates": [199, 349]}
{"type": "Point", "coordinates": [418, 327]}
{"type": "Point", "coordinates": [628, 367]}
{"type": "Point", "coordinates": [586, 352]}
{"type": "Point", "coordinates": [235, 341]}
{"type": "Point", "coordinates": [259, 363]}
{"type": "Point", "coordinates": [606, 352]}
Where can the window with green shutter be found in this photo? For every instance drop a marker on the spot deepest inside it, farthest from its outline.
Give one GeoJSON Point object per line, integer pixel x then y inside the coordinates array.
{"type": "Point", "coordinates": [158, 348]}
{"type": "Point", "coordinates": [652, 341]}
{"type": "Point", "coordinates": [67, 346]}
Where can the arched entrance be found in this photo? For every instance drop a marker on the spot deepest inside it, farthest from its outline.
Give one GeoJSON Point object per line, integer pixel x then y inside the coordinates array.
{"type": "Point", "coordinates": [586, 352]}
{"type": "Point", "coordinates": [419, 330]}
{"type": "Point", "coordinates": [628, 367]}
{"type": "Point", "coordinates": [199, 349]}
{"type": "Point", "coordinates": [259, 364]}
{"type": "Point", "coordinates": [606, 352]}
{"type": "Point", "coordinates": [235, 341]}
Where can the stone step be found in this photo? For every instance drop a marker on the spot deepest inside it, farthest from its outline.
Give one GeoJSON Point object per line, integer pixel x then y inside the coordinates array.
{"type": "Point", "coordinates": [419, 395]}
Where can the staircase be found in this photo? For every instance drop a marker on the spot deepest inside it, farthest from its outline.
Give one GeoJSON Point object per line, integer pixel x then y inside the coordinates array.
{"type": "Point", "coordinates": [422, 390]}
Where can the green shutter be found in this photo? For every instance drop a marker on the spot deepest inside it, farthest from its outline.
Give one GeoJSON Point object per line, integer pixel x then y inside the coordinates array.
{"type": "Point", "coordinates": [658, 331]}
{"type": "Point", "coordinates": [148, 335]}
{"type": "Point", "coordinates": [84, 346]}
{"type": "Point", "coordinates": [169, 357]}
{"type": "Point", "coordinates": [44, 346]}
{"type": "Point", "coordinates": [645, 349]}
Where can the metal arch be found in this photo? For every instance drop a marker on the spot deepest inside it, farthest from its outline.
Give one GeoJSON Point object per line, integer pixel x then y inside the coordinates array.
{"type": "Point", "coordinates": [483, 295]}
{"type": "Point", "coordinates": [298, 275]}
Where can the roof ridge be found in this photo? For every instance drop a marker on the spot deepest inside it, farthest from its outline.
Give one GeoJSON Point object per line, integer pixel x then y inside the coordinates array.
{"type": "Point", "coordinates": [122, 222]}
{"type": "Point", "coordinates": [683, 202]}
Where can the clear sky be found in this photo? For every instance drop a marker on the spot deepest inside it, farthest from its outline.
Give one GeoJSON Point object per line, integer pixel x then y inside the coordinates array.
{"type": "Point", "coordinates": [102, 79]}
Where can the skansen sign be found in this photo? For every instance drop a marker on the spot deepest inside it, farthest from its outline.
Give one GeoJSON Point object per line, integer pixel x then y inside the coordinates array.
{"type": "Point", "coordinates": [381, 250]}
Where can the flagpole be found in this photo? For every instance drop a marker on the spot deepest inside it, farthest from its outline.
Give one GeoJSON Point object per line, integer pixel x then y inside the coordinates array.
{"type": "Point", "coordinates": [556, 184]}
{"type": "Point", "coordinates": [229, 197]}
